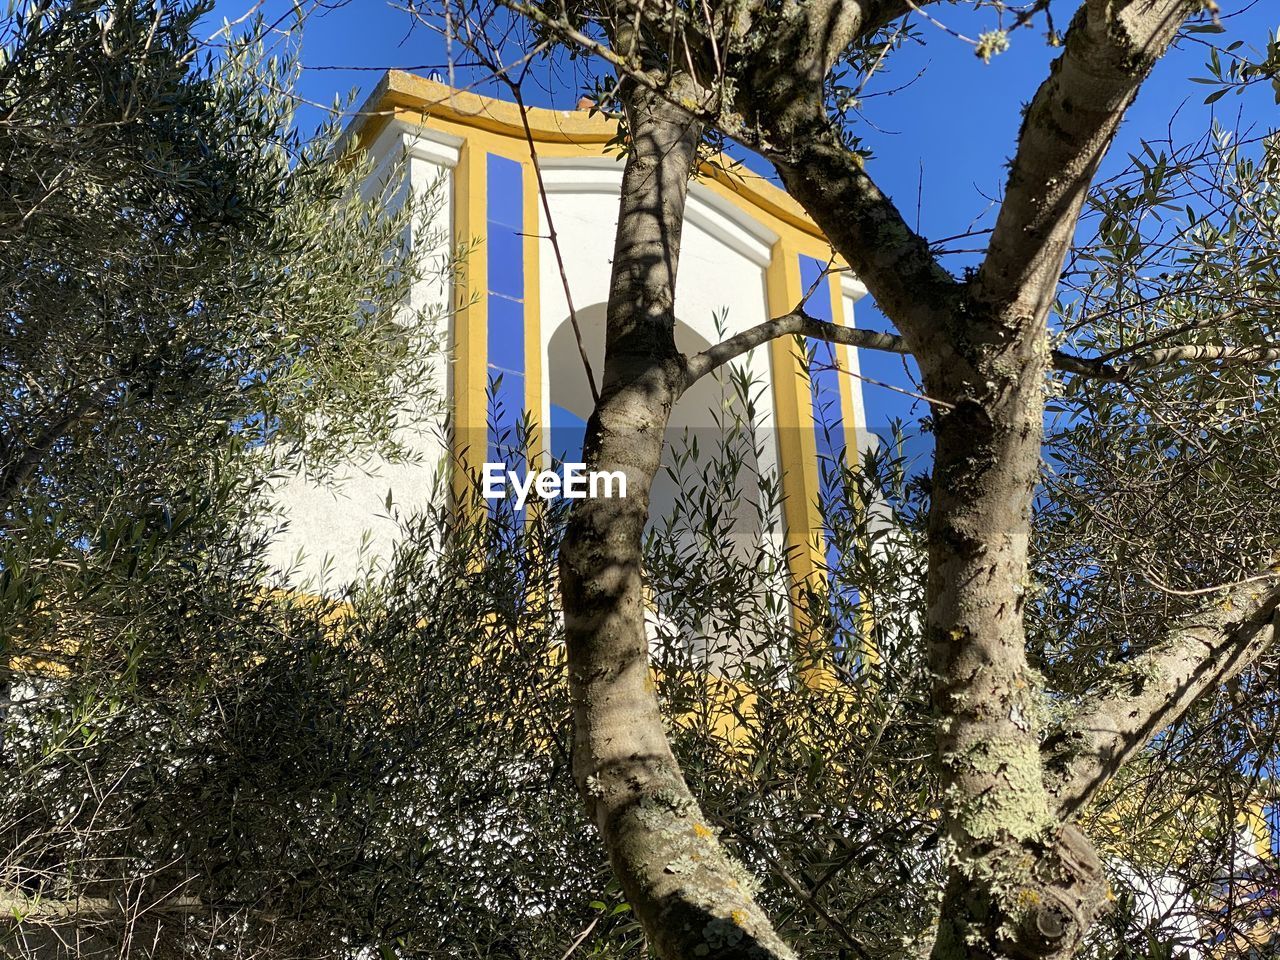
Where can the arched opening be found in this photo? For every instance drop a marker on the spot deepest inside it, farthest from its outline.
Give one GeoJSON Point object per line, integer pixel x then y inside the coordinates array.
{"type": "Point", "coordinates": [695, 439]}
{"type": "Point", "coordinates": [700, 415]}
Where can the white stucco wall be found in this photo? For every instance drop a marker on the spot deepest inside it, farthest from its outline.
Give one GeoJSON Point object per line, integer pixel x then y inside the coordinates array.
{"type": "Point", "coordinates": [722, 273]}
{"type": "Point", "coordinates": [722, 263]}
{"type": "Point", "coordinates": [332, 530]}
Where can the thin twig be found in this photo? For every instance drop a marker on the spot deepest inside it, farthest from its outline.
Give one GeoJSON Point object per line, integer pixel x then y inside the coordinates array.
{"type": "Point", "coordinates": [577, 942]}
{"type": "Point", "coordinates": [552, 236]}
{"type": "Point", "coordinates": [886, 386]}
{"type": "Point", "coordinates": [1156, 582]}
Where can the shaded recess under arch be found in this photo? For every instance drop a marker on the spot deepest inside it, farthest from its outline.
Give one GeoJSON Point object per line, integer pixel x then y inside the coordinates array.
{"type": "Point", "coordinates": [699, 416]}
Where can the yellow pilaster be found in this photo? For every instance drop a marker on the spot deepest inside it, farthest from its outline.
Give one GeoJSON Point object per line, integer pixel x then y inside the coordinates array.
{"type": "Point", "coordinates": [797, 447]}
{"type": "Point", "coordinates": [852, 439]}
{"type": "Point", "coordinates": [532, 313]}
{"type": "Point", "coordinates": [471, 327]}
{"type": "Point", "coordinates": [848, 386]}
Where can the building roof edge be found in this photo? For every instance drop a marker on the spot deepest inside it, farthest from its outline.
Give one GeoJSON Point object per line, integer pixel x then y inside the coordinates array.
{"type": "Point", "coordinates": [399, 90]}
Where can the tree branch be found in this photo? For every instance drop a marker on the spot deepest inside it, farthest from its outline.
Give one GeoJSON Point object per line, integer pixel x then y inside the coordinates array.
{"type": "Point", "coordinates": [799, 890]}
{"type": "Point", "coordinates": [20, 461]}
{"type": "Point", "coordinates": [17, 905]}
{"type": "Point", "coordinates": [685, 888]}
{"type": "Point", "coordinates": [865, 226]}
{"type": "Point", "coordinates": [1109, 50]}
{"type": "Point", "coordinates": [1149, 693]}
{"type": "Point", "coordinates": [561, 27]}
{"type": "Point", "coordinates": [21, 464]}
{"type": "Point", "coordinates": [793, 132]}
{"type": "Point", "coordinates": [1103, 370]}
{"type": "Point", "coordinates": [805, 42]}
{"type": "Point", "coordinates": [801, 323]}
{"type": "Point", "coordinates": [796, 322]}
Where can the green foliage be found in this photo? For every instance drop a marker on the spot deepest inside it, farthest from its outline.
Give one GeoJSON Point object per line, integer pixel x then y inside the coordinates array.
{"type": "Point", "coordinates": [180, 260]}
{"type": "Point", "coordinates": [198, 761]}
{"type": "Point", "coordinates": [389, 769]}
{"type": "Point", "coordinates": [1239, 66]}
{"type": "Point", "coordinates": [196, 296]}
{"type": "Point", "coordinates": [1160, 492]}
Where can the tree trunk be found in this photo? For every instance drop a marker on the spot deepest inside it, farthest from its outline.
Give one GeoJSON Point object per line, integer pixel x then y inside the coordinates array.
{"type": "Point", "coordinates": [692, 898]}
{"type": "Point", "coordinates": [1022, 885]}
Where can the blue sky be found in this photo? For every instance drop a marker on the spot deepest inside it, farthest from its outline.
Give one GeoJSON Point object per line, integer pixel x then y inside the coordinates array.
{"type": "Point", "coordinates": [942, 123]}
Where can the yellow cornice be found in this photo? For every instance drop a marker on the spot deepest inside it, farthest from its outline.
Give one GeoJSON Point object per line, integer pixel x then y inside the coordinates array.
{"type": "Point", "coordinates": [400, 93]}
{"type": "Point", "coordinates": [429, 97]}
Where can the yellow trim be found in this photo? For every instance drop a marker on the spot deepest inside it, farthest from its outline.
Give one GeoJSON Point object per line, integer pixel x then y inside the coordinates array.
{"type": "Point", "coordinates": [1254, 819]}
{"type": "Point", "coordinates": [797, 449]}
{"type": "Point", "coordinates": [568, 133]}
{"type": "Point", "coordinates": [532, 312]}
{"type": "Point", "coordinates": [852, 436]}
{"type": "Point", "coordinates": [847, 409]}
{"type": "Point", "coordinates": [470, 340]}
{"type": "Point", "coordinates": [793, 408]}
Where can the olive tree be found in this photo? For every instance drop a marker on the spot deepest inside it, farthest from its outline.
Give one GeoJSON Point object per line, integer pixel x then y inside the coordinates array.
{"type": "Point", "coordinates": [196, 296]}
{"type": "Point", "coordinates": [1020, 750]}
{"type": "Point", "coordinates": [196, 760]}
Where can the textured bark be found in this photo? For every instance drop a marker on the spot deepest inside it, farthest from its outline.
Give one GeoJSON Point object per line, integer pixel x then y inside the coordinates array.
{"type": "Point", "coordinates": [1197, 654]}
{"type": "Point", "coordinates": [693, 899]}
{"type": "Point", "coordinates": [791, 48]}
{"type": "Point", "coordinates": [1024, 883]}
{"type": "Point", "coordinates": [1167, 356]}
{"type": "Point", "coordinates": [1110, 48]}
{"type": "Point", "coordinates": [866, 229]}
